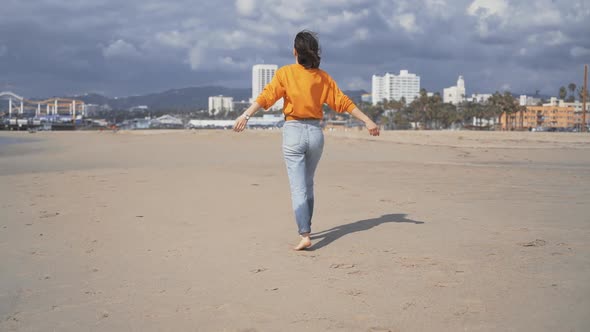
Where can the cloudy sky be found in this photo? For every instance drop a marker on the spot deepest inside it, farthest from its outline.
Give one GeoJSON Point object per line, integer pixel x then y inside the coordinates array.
{"type": "Point", "coordinates": [57, 47]}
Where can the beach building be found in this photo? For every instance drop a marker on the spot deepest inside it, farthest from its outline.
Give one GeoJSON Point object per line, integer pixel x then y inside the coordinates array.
{"type": "Point", "coordinates": [167, 121]}
{"type": "Point", "coordinates": [265, 121]}
{"type": "Point", "coordinates": [455, 94]}
{"type": "Point", "coordinates": [480, 98]}
{"type": "Point", "coordinates": [136, 124]}
{"type": "Point", "coordinates": [525, 100]}
{"type": "Point", "coordinates": [210, 124]}
{"type": "Point", "coordinates": [541, 116]}
{"type": "Point", "coordinates": [139, 108]}
{"type": "Point", "coordinates": [221, 104]}
{"type": "Point", "coordinates": [577, 105]}
{"type": "Point", "coordinates": [394, 87]}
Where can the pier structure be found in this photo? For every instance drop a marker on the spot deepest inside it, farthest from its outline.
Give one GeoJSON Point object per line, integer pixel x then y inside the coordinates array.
{"type": "Point", "coordinates": [17, 105]}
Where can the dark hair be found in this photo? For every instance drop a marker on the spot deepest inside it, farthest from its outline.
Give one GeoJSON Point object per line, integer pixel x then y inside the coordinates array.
{"type": "Point", "coordinates": [308, 49]}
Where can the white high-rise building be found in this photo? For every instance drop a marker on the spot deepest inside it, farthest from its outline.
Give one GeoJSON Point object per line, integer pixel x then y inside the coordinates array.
{"type": "Point", "coordinates": [455, 94]}
{"type": "Point", "coordinates": [394, 87]}
{"type": "Point", "coordinates": [220, 104]}
{"type": "Point", "coordinates": [261, 76]}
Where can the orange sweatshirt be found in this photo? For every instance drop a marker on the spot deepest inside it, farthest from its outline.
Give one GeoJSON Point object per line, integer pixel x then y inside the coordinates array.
{"type": "Point", "coordinates": [304, 92]}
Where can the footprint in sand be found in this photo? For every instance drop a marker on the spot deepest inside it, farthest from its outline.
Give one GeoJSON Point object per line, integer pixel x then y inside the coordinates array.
{"type": "Point", "coordinates": [13, 317]}
{"type": "Point", "coordinates": [380, 329]}
{"type": "Point", "coordinates": [535, 243]}
{"type": "Point", "coordinates": [342, 266]}
{"type": "Point", "coordinates": [45, 214]}
{"type": "Point", "coordinates": [258, 270]}
{"type": "Point", "coordinates": [354, 292]}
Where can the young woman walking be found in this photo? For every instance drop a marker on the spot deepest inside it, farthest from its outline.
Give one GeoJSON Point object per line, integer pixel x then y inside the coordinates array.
{"type": "Point", "coordinates": [305, 89]}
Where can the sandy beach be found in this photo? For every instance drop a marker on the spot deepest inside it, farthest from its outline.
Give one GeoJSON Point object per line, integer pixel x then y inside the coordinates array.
{"type": "Point", "coordinates": [192, 231]}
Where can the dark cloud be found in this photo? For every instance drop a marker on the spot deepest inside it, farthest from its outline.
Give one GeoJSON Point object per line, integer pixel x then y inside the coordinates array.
{"type": "Point", "coordinates": [52, 47]}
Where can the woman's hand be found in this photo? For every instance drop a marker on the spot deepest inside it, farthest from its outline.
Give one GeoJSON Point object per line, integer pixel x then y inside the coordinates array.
{"type": "Point", "coordinates": [240, 124]}
{"type": "Point", "coordinates": [242, 120]}
{"type": "Point", "coordinates": [372, 127]}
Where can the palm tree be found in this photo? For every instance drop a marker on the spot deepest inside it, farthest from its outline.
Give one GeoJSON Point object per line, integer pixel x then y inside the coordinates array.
{"type": "Point", "coordinates": [483, 112]}
{"type": "Point", "coordinates": [470, 111]}
{"type": "Point", "coordinates": [449, 115]}
{"type": "Point", "coordinates": [390, 109]}
{"type": "Point", "coordinates": [419, 108]}
{"type": "Point", "coordinates": [562, 92]}
{"type": "Point", "coordinates": [495, 107]}
{"type": "Point", "coordinates": [572, 88]}
{"type": "Point", "coordinates": [513, 107]}
{"type": "Point", "coordinates": [374, 112]}
{"type": "Point", "coordinates": [505, 100]}
{"type": "Point", "coordinates": [522, 110]}
{"type": "Point", "coordinates": [435, 109]}
{"type": "Point", "coordinates": [504, 104]}
{"type": "Point", "coordinates": [394, 104]}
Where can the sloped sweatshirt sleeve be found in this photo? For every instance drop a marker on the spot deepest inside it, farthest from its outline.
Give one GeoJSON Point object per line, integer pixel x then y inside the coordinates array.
{"type": "Point", "coordinates": [272, 92]}
{"type": "Point", "coordinates": [337, 100]}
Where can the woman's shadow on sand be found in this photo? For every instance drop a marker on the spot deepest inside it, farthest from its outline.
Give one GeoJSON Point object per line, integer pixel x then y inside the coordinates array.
{"type": "Point", "coordinates": [333, 234]}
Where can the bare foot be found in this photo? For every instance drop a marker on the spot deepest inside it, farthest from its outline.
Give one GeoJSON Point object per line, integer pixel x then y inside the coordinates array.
{"type": "Point", "coordinates": [304, 243]}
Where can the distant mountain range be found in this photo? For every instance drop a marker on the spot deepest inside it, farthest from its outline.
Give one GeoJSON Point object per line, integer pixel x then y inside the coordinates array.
{"type": "Point", "coordinates": [180, 99]}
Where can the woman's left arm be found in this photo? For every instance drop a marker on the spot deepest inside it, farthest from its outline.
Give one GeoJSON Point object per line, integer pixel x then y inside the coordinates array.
{"type": "Point", "coordinates": [340, 102]}
{"type": "Point", "coordinates": [272, 92]}
{"type": "Point", "coordinates": [371, 126]}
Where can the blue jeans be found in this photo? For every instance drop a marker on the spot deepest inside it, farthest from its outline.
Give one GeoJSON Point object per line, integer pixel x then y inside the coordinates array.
{"type": "Point", "coordinates": [303, 143]}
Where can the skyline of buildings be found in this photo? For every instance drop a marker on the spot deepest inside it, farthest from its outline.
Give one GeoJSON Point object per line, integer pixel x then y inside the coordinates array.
{"type": "Point", "coordinates": [386, 88]}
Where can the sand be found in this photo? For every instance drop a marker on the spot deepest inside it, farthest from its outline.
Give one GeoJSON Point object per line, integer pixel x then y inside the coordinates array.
{"type": "Point", "coordinates": [192, 230]}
